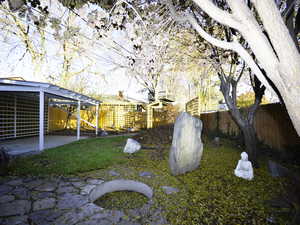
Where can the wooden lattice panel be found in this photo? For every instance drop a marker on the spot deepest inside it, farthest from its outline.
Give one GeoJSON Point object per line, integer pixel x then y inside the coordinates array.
{"type": "Point", "coordinates": [192, 107]}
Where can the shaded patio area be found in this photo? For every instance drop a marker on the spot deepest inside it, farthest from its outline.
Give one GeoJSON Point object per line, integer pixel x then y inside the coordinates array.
{"type": "Point", "coordinates": [30, 145]}
{"type": "Point", "coordinates": [24, 108]}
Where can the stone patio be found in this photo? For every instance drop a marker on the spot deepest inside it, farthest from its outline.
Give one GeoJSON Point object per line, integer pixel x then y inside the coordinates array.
{"type": "Point", "coordinates": [63, 201]}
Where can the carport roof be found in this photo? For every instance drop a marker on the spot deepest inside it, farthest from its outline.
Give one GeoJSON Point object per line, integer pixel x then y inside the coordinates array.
{"type": "Point", "coordinates": [31, 86]}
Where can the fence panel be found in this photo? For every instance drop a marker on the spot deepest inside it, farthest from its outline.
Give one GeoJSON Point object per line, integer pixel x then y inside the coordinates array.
{"type": "Point", "coordinates": [272, 123]}
{"type": "Point", "coordinates": [110, 117]}
{"type": "Point", "coordinates": [193, 106]}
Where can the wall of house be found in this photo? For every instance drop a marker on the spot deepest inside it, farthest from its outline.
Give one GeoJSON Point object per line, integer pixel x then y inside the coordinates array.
{"type": "Point", "coordinates": [19, 115]}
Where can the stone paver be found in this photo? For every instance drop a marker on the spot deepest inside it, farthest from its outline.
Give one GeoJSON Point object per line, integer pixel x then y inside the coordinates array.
{"type": "Point", "coordinates": [21, 193]}
{"type": "Point", "coordinates": [15, 182]}
{"type": "Point", "coordinates": [16, 220]}
{"type": "Point", "coordinates": [94, 181]}
{"type": "Point", "coordinates": [169, 190]}
{"type": "Point", "coordinates": [74, 216]}
{"type": "Point", "coordinates": [63, 201]}
{"type": "Point", "coordinates": [18, 207]}
{"type": "Point", "coordinates": [4, 189]}
{"type": "Point", "coordinates": [87, 189]}
{"type": "Point", "coordinates": [63, 183]}
{"type": "Point", "coordinates": [96, 222]}
{"type": "Point", "coordinates": [40, 195]}
{"type": "Point", "coordinates": [46, 203]}
{"type": "Point", "coordinates": [78, 184]}
{"type": "Point", "coordinates": [66, 189]}
{"type": "Point", "coordinates": [47, 216]}
{"type": "Point", "coordinates": [146, 174]}
{"type": "Point", "coordinates": [46, 187]}
{"type": "Point", "coordinates": [69, 201]}
{"type": "Point", "coordinates": [32, 183]}
{"type": "Point", "coordinates": [113, 173]}
{"type": "Point", "coordinates": [6, 198]}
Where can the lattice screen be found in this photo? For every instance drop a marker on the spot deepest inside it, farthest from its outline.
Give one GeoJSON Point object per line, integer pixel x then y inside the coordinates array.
{"type": "Point", "coordinates": [19, 115]}
{"type": "Point", "coordinates": [116, 116]}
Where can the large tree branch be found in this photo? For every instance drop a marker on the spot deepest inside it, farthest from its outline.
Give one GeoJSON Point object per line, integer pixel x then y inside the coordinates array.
{"type": "Point", "coordinates": [243, 20]}
{"type": "Point", "coordinates": [218, 14]}
{"type": "Point", "coordinates": [257, 40]}
{"type": "Point", "coordinates": [283, 43]}
{"type": "Point", "coordinates": [234, 46]}
{"type": "Point", "coordinates": [288, 17]}
{"type": "Point", "coordinates": [226, 85]}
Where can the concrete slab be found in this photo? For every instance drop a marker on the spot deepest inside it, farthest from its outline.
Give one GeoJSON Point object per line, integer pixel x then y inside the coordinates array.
{"type": "Point", "coordinates": [30, 145]}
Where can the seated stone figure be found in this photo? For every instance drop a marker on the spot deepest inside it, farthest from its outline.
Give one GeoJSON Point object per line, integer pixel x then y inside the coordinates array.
{"type": "Point", "coordinates": [244, 168]}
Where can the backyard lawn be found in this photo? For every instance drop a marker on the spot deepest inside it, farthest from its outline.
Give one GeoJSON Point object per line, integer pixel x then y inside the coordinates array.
{"type": "Point", "coordinates": [76, 157]}
{"type": "Point", "coordinates": [209, 195]}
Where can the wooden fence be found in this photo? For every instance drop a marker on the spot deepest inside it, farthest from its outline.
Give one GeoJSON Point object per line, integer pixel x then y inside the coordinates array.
{"type": "Point", "coordinates": [272, 123]}
{"type": "Point", "coordinates": [193, 107]}
{"type": "Point", "coordinates": [57, 119]}
{"type": "Point", "coordinates": [110, 117]}
{"type": "Point", "coordinates": [117, 116]}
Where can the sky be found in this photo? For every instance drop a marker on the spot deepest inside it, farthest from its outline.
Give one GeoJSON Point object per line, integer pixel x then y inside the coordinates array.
{"type": "Point", "coordinates": [108, 81]}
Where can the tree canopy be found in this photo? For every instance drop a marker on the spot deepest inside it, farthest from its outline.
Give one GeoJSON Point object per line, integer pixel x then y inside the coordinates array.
{"type": "Point", "coordinates": [264, 33]}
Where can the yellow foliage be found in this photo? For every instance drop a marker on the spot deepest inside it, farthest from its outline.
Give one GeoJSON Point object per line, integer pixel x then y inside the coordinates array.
{"type": "Point", "coordinates": [247, 99]}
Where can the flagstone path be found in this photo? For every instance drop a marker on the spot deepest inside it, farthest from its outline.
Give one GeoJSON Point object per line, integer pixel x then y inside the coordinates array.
{"type": "Point", "coordinates": [63, 201]}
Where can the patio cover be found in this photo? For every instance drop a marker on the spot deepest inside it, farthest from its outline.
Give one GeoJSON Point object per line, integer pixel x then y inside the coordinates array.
{"type": "Point", "coordinates": [8, 85]}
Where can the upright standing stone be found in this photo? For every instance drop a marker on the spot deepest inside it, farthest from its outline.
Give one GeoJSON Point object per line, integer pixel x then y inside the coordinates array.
{"type": "Point", "coordinates": [186, 150]}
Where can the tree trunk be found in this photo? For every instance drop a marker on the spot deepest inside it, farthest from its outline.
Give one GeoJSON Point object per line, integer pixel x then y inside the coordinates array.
{"type": "Point", "coordinates": [251, 142]}
{"type": "Point", "coordinates": [244, 122]}
{"type": "Point", "coordinates": [291, 98]}
{"type": "Point", "coordinates": [249, 134]}
{"type": "Point", "coordinates": [281, 64]}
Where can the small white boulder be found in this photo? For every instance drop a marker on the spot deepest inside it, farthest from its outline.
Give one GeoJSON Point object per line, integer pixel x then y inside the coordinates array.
{"type": "Point", "coordinates": [244, 168]}
{"type": "Point", "coordinates": [132, 146]}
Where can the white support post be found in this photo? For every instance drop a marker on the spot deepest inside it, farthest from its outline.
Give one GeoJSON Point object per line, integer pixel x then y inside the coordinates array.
{"type": "Point", "coordinates": [97, 115]}
{"type": "Point", "coordinates": [15, 117]}
{"type": "Point", "coordinates": [48, 122]}
{"type": "Point", "coordinates": [41, 123]}
{"type": "Point", "coordinates": [78, 120]}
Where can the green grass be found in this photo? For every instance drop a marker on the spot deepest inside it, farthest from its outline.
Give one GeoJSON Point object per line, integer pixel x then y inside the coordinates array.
{"type": "Point", "coordinates": [79, 156]}
{"type": "Point", "coordinates": [119, 200]}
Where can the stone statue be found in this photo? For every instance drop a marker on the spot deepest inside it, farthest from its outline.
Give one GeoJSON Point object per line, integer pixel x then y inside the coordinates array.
{"type": "Point", "coordinates": [244, 168]}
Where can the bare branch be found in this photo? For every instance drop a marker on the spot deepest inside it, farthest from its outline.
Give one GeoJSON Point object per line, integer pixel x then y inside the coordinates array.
{"type": "Point", "coordinates": [241, 73]}
{"type": "Point", "coordinates": [22, 57]}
